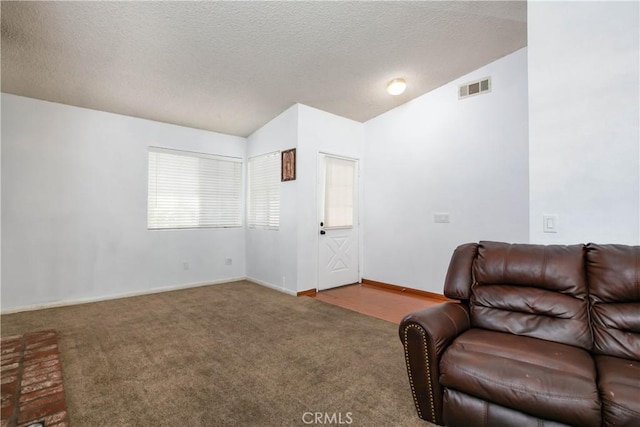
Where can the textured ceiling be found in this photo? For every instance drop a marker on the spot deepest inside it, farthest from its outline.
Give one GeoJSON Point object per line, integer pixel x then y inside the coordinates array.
{"type": "Point", "coordinates": [232, 66]}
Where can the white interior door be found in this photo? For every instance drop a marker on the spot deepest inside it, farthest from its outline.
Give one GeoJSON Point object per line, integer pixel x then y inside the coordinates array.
{"type": "Point", "coordinates": [338, 225]}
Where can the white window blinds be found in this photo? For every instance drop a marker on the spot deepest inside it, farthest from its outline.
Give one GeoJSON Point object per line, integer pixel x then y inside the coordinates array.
{"type": "Point", "coordinates": [263, 204]}
{"type": "Point", "coordinates": [193, 190]}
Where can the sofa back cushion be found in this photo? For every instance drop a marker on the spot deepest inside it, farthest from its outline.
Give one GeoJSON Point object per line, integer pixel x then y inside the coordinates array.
{"type": "Point", "coordinates": [531, 290]}
{"type": "Point", "coordinates": [614, 291]}
{"type": "Point", "coordinates": [457, 284]}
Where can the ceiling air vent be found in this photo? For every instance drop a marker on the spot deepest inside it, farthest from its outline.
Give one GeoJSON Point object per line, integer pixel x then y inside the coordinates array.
{"type": "Point", "coordinates": [474, 88]}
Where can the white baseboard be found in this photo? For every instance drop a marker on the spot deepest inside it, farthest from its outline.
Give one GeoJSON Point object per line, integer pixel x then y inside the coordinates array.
{"type": "Point", "coordinates": [271, 286]}
{"type": "Point", "coordinates": [117, 296]}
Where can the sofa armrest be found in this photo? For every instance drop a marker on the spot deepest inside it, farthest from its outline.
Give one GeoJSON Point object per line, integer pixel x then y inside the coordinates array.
{"type": "Point", "coordinates": [425, 335]}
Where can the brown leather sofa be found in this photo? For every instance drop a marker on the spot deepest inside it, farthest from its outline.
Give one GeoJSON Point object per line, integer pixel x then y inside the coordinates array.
{"type": "Point", "coordinates": [538, 336]}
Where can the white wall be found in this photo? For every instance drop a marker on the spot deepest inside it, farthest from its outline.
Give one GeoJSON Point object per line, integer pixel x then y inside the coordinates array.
{"type": "Point", "coordinates": [468, 158]}
{"type": "Point", "coordinates": [272, 254]}
{"type": "Point", "coordinates": [74, 207]}
{"type": "Point", "coordinates": [318, 131]}
{"type": "Point", "coordinates": [584, 115]}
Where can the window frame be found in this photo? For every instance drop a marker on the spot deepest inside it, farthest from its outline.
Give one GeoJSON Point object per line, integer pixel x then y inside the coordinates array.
{"type": "Point", "coordinates": [266, 222]}
{"type": "Point", "coordinates": [235, 196]}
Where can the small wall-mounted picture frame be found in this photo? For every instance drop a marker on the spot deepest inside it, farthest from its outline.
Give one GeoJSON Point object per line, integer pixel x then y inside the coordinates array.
{"type": "Point", "coordinates": [288, 164]}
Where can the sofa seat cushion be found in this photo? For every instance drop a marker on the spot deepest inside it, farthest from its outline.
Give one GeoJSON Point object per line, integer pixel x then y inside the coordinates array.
{"type": "Point", "coordinates": [619, 384]}
{"type": "Point", "coordinates": [545, 379]}
{"type": "Point", "coordinates": [460, 409]}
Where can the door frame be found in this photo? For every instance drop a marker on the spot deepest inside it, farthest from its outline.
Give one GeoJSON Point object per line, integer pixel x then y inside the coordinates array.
{"type": "Point", "coordinates": [358, 219]}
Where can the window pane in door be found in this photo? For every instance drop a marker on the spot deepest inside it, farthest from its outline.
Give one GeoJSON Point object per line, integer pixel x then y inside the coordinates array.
{"type": "Point", "coordinates": [339, 192]}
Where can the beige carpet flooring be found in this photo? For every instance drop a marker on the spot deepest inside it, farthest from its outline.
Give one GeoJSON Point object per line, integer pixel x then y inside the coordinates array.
{"type": "Point", "coordinates": [235, 354]}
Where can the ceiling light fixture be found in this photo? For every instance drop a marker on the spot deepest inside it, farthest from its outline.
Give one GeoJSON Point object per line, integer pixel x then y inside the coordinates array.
{"type": "Point", "coordinates": [396, 86]}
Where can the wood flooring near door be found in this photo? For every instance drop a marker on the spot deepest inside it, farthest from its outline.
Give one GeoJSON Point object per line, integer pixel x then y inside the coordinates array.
{"type": "Point", "coordinates": [380, 303]}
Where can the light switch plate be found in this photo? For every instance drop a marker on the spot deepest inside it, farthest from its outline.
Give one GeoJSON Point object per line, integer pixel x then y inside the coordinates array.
{"type": "Point", "coordinates": [550, 223]}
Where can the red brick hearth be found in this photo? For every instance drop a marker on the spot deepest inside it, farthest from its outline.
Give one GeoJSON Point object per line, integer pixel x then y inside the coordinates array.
{"type": "Point", "coordinates": [31, 377]}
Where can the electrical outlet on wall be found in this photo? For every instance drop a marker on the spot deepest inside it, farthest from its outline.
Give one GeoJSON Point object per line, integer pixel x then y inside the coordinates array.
{"type": "Point", "coordinates": [441, 218]}
{"type": "Point", "coordinates": [185, 265]}
{"type": "Point", "coordinates": [228, 261]}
